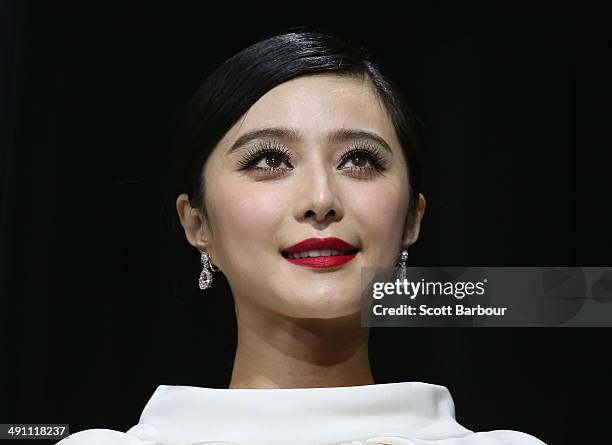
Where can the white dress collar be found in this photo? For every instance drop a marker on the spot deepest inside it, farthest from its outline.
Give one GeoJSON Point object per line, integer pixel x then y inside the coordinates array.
{"type": "Point", "coordinates": [301, 416]}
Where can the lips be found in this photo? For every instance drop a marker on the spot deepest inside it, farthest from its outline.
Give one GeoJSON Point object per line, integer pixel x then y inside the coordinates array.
{"type": "Point", "coordinates": [320, 252]}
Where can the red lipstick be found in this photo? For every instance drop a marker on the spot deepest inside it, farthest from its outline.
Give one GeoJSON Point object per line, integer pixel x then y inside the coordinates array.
{"type": "Point", "coordinates": [346, 252]}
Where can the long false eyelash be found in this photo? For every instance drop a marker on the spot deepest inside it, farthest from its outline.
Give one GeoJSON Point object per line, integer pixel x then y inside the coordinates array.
{"type": "Point", "coordinates": [371, 151]}
{"type": "Point", "coordinates": [259, 151]}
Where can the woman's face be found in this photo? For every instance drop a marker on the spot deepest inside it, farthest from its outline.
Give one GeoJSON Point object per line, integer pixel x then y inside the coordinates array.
{"type": "Point", "coordinates": [329, 166]}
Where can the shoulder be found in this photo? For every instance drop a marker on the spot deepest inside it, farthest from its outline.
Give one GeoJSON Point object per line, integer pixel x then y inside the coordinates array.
{"type": "Point", "coordinates": [100, 436]}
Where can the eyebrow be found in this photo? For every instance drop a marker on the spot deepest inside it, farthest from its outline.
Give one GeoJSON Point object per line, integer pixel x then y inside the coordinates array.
{"type": "Point", "coordinates": [293, 135]}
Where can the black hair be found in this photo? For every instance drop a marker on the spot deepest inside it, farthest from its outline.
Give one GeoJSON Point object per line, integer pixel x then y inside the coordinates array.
{"type": "Point", "coordinates": [227, 94]}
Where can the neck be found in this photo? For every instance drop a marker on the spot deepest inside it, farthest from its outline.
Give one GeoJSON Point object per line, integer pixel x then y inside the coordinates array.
{"type": "Point", "coordinates": [276, 351]}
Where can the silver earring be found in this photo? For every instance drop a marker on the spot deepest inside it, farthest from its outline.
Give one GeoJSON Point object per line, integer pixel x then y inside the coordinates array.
{"type": "Point", "coordinates": [206, 275]}
{"type": "Point", "coordinates": [402, 263]}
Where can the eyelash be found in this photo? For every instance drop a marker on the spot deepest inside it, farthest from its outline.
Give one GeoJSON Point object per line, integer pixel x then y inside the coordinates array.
{"type": "Point", "coordinates": [267, 148]}
{"type": "Point", "coordinates": [261, 151]}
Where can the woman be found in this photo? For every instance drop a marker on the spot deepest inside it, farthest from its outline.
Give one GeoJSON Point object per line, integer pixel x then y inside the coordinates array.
{"type": "Point", "coordinates": [298, 168]}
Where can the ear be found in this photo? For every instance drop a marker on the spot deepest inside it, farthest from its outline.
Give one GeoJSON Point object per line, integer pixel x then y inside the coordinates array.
{"type": "Point", "coordinates": [412, 226]}
{"type": "Point", "coordinates": [194, 224]}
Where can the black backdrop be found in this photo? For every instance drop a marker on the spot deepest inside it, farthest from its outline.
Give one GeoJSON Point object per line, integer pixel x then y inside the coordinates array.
{"type": "Point", "coordinates": [99, 301]}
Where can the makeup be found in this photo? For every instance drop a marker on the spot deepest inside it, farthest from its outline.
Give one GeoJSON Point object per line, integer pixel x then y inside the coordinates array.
{"type": "Point", "coordinates": [320, 252]}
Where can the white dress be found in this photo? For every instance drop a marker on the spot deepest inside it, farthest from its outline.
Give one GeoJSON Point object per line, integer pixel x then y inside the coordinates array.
{"type": "Point", "coordinates": [408, 413]}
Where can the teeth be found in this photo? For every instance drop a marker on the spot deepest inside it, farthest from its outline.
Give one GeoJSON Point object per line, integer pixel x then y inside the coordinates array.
{"type": "Point", "coordinates": [314, 253]}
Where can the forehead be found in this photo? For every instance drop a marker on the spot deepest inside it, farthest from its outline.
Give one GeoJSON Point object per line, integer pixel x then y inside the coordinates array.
{"type": "Point", "coordinates": [318, 103]}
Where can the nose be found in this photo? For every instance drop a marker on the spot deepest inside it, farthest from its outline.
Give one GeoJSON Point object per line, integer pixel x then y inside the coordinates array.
{"type": "Point", "coordinates": [319, 198]}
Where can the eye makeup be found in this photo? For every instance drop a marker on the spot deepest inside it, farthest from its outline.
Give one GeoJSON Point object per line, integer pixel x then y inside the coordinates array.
{"type": "Point", "coordinates": [366, 159]}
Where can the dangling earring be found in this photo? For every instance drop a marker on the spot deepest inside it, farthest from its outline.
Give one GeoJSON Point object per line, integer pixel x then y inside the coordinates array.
{"type": "Point", "coordinates": [402, 263]}
{"type": "Point", "coordinates": [206, 276]}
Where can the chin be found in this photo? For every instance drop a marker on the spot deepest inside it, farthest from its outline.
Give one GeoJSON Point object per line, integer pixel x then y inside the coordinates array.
{"type": "Point", "coordinates": [323, 307]}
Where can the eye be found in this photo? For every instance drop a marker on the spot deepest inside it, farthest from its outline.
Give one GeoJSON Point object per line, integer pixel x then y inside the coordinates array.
{"type": "Point", "coordinates": [363, 159]}
{"type": "Point", "coordinates": [270, 161]}
{"type": "Point", "coordinates": [267, 157]}
{"type": "Point", "coordinates": [359, 160]}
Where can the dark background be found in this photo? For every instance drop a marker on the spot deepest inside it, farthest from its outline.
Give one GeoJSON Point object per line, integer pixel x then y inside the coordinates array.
{"type": "Point", "coordinates": [99, 301]}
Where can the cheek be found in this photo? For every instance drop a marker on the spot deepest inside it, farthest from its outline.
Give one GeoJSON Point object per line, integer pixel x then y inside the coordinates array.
{"type": "Point", "coordinates": [380, 211]}
{"type": "Point", "coordinates": [246, 216]}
